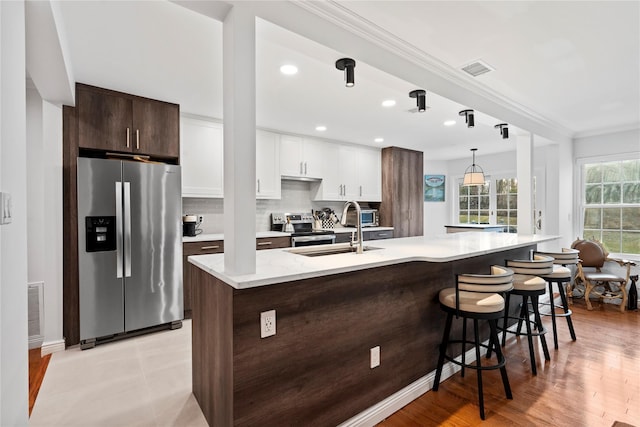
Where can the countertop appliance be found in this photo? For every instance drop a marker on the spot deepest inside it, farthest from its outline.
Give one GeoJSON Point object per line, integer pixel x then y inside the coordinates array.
{"type": "Point", "coordinates": [370, 218]}
{"type": "Point", "coordinates": [129, 247]}
{"type": "Point", "coordinates": [190, 225]}
{"type": "Point", "coordinates": [303, 233]}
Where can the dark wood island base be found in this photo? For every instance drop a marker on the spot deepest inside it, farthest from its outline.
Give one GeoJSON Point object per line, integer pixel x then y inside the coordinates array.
{"type": "Point", "coordinates": [315, 371]}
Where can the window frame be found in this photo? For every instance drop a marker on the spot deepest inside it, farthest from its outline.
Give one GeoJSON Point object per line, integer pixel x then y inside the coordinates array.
{"type": "Point", "coordinates": [580, 193]}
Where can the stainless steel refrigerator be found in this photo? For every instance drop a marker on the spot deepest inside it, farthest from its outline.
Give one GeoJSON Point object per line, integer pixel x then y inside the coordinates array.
{"type": "Point", "coordinates": [129, 247]}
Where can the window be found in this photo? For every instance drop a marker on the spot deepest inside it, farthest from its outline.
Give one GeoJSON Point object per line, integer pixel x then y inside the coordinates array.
{"type": "Point", "coordinates": [611, 204]}
{"type": "Point", "coordinates": [473, 204]}
{"type": "Point", "coordinates": [507, 203]}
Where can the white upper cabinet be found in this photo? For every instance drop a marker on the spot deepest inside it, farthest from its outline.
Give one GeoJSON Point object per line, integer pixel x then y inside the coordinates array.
{"type": "Point", "coordinates": [369, 175]}
{"type": "Point", "coordinates": [201, 158]}
{"type": "Point", "coordinates": [267, 165]}
{"type": "Point", "coordinates": [301, 157]}
{"type": "Point", "coordinates": [351, 173]}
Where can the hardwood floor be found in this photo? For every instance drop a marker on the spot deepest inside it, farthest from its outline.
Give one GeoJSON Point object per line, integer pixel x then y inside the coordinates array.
{"type": "Point", "coordinates": [594, 381]}
{"type": "Point", "coordinates": [37, 368]}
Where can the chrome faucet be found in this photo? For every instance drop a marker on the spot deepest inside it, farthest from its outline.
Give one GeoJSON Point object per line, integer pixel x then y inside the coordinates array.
{"type": "Point", "coordinates": [343, 221]}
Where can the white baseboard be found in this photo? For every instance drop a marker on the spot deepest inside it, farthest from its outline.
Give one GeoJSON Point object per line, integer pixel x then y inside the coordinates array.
{"type": "Point", "coordinates": [52, 347]}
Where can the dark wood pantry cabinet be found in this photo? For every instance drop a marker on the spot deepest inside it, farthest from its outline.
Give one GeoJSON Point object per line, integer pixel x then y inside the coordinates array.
{"type": "Point", "coordinates": [119, 122]}
{"type": "Point", "coordinates": [402, 191]}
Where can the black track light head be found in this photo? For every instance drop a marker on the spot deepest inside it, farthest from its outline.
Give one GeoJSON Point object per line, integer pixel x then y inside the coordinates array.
{"type": "Point", "coordinates": [468, 117]}
{"type": "Point", "coordinates": [504, 130]}
{"type": "Point", "coordinates": [421, 99]}
{"type": "Point", "coordinates": [347, 64]}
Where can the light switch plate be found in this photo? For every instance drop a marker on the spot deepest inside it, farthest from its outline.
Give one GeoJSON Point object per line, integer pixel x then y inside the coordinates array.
{"type": "Point", "coordinates": [6, 208]}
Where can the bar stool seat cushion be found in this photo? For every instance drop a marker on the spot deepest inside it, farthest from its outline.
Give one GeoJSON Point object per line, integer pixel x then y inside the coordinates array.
{"type": "Point", "coordinates": [559, 272]}
{"type": "Point", "coordinates": [603, 277]}
{"type": "Point", "coordinates": [525, 282]}
{"type": "Point", "coordinates": [472, 302]}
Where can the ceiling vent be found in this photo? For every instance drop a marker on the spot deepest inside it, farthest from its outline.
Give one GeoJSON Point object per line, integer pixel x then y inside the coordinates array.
{"type": "Point", "coordinates": [476, 68]}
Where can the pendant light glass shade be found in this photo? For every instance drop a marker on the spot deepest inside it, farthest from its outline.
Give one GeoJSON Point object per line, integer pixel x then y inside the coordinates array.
{"type": "Point", "coordinates": [474, 174]}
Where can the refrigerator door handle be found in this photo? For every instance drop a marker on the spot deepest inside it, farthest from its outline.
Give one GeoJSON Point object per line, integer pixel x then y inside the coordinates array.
{"type": "Point", "coordinates": [127, 229]}
{"type": "Point", "coordinates": [118, 229]}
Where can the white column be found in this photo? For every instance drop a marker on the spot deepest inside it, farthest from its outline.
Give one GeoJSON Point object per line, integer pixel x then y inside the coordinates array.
{"type": "Point", "coordinates": [239, 109]}
{"type": "Point", "coordinates": [524, 162]}
{"type": "Point", "coordinates": [14, 373]}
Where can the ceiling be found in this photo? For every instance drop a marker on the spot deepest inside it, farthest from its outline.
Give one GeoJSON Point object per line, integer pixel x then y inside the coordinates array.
{"type": "Point", "coordinates": [575, 64]}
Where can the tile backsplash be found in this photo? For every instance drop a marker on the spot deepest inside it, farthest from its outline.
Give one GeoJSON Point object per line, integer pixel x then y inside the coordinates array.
{"type": "Point", "coordinates": [296, 197]}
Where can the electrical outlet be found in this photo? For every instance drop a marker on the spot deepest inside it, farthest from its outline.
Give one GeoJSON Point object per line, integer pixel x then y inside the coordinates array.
{"type": "Point", "coordinates": [267, 323]}
{"type": "Point", "coordinates": [375, 356]}
{"type": "Point", "coordinates": [200, 218]}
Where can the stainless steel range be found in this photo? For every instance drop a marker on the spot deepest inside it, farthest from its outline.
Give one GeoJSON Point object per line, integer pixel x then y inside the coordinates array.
{"type": "Point", "coordinates": [303, 233]}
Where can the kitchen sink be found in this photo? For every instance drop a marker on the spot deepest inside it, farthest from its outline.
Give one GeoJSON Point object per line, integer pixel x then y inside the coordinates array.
{"type": "Point", "coordinates": [314, 251]}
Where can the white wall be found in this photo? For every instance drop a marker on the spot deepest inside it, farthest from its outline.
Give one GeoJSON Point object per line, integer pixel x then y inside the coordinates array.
{"type": "Point", "coordinates": [437, 214]}
{"type": "Point", "coordinates": [607, 144]}
{"type": "Point", "coordinates": [44, 210]}
{"type": "Point", "coordinates": [14, 374]}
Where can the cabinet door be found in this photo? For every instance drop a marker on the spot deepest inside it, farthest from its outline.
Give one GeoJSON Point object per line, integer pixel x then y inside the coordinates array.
{"type": "Point", "coordinates": [314, 158]}
{"type": "Point", "coordinates": [331, 186]}
{"type": "Point", "coordinates": [369, 175]}
{"type": "Point", "coordinates": [156, 128]}
{"type": "Point", "coordinates": [104, 120]}
{"type": "Point", "coordinates": [267, 165]}
{"type": "Point", "coordinates": [202, 158]}
{"type": "Point", "coordinates": [291, 155]}
{"type": "Point", "coordinates": [416, 194]}
{"type": "Point", "coordinates": [349, 172]}
{"type": "Point", "coordinates": [195, 248]}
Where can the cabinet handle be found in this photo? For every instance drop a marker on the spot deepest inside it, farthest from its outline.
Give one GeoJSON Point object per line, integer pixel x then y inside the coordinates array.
{"type": "Point", "coordinates": [383, 234]}
{"type": "Point", "coordinates": [204, 248]}
{"type": "Point", "coordinates": [264, 243]}
{"type": "Point", "coordinates": [305, 168]}
{"type": "Point", "coordinates": [361, 191]}
{"type": "Point", "coordinates": [137, 139]}
{"type": "Point", "coordinates": [300, 168]}
{"type": "Point", "coordinates": [128, 138]}
{"type": "Point", "coordinates": [258, 185]}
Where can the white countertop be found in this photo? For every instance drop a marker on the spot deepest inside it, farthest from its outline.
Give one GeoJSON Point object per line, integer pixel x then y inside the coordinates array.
{"type": "Point", "coordinates": [220, 236]}
{"type": "Point", "coordinates": [259, 234]}
{"type": "Point", "coordinates": [353, 229]}
{"type": "Point", "coordinates": [279, 265]}
{"type": "Point", "coordinates": [477, 226]}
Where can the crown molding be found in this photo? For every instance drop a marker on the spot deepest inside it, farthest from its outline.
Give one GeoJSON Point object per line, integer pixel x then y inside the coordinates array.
{"type": "Point", "coordinates": [609, 130]}
{"type": "Point", "coordinates": [337, 14]}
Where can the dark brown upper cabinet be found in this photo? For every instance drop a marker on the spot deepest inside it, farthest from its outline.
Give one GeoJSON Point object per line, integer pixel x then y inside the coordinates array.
{"type": "Point", "coordinates": [119, 122]}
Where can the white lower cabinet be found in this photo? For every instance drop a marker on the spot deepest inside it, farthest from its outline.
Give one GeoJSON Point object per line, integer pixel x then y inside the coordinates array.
{"type": "Point", "coordinates": [267, 165]}
{"type": "Point", "coordinates": [201, 158]}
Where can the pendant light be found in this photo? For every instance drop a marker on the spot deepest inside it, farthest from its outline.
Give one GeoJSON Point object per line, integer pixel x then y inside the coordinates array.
{"type": "Point", "coordinates": [347, 64]}
{"type": "Point", "coordinates": [474, 174]}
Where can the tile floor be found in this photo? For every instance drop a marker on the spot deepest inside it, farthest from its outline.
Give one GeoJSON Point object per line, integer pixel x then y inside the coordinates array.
{"type": "Point", "coordinates": [141, 381]}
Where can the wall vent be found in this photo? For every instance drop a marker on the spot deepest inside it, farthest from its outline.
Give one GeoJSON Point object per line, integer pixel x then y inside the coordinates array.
{"type": "Point", "coordinates": [35, 308]}
{"type": "Point", "coordinates": [476, 68]}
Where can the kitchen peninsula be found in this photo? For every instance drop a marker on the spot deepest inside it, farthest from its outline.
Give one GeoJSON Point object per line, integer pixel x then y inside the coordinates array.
{"type": "Point", "coordinates": [330, 311]}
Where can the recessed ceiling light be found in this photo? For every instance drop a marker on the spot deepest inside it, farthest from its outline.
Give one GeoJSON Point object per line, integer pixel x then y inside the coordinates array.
{"type": "Point", "coordinates": [379, 140]}
{"type": "Point", "coordinates": [449, 123]}
{"type": "Point", "coordinates": [321, 128]}
{"type": "Point", "coordinates": [289, 69]}
{"type": "Point", "coordinates": [388, 103]}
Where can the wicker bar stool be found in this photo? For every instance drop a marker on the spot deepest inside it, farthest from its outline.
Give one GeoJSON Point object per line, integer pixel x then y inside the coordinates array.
{"type": "Point", "coordinates": [561, 275]}
{"type": "Point", "coordinates": [528, 284]}
{"type": "Point", "coordinates": [477, 297]}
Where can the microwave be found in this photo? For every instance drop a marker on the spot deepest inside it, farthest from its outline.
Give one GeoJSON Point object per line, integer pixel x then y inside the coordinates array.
{"type": "Point", "coordinates": [370, 218]}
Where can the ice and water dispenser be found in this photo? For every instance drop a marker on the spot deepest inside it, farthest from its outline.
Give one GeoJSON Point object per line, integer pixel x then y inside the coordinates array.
{"type": "Point", "coordinates": [100, 233]}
